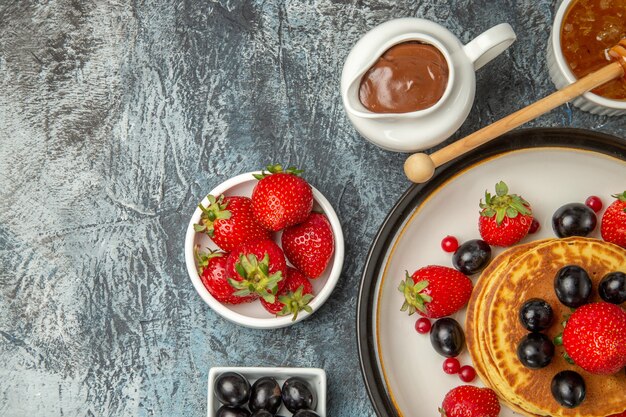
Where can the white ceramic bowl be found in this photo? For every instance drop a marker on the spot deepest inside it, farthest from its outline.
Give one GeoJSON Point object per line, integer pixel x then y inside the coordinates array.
{"type": "Point", "coordinates": [314, 376]}
{"type": "Point", "coordinates": [562, 76]}
{"type": "Point", "coordinates": [253, 314]}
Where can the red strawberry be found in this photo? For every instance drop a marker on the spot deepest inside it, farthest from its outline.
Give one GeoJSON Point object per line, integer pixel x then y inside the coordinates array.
{"type": "Point", "coordinates": [257, 268]}
{"type": "Point", "coordinates": [281, 198]}
{"type": "Point", "coordinates": [294, 297]}
{"type": "Point", "coordinates": [229, 222]}
{"type": "Point", "coordinates": [435, 291]}
{"type": "Point", "coordinates": [595, 337]}
{"type": "Point", "coordinates": [613, 227]}
{"type": "Point", "coordinates": [212, 271]}
{"type": "Point", "coordinates": [505, 218]}
{"type": "Point", "coordinates": [470, 401]}
{"type": "Point", "coordinates": [309, 245]}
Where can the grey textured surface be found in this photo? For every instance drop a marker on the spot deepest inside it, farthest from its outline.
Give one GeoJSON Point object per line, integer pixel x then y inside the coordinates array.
{"type": "Point", "coordinates": [117, 117]}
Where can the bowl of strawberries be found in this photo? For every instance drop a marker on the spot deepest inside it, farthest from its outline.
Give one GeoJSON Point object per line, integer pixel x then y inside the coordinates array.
{"type": "Point", "coordinates": [264, 249]}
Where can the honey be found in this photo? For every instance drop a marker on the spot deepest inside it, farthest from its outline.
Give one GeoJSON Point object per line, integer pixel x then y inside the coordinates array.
{"type": "Point", "coordinates": [590, 28]}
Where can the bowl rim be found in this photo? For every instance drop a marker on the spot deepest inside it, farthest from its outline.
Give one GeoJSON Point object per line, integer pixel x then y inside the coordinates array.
{"type": "Point", "coordinates": [555, 41]}
{"type": "Point", "coordinates": [269, 322]}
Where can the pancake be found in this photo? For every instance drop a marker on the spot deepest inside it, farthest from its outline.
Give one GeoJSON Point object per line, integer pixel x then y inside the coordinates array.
{"type": "Point", "coordinates": [475, 336]}
{"type": "Point", "coordinates": [496, 380]}
{"type": "Point", "coordinates": [474, 309]}
{"type": "Point", "coordinates": [493, 329]}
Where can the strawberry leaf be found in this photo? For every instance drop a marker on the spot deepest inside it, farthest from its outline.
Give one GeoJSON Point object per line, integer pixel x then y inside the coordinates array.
{"type": "Point", "coordinates": [413, 299]}
{"type": "Point", "coordinates": [203, 258]}
{"type": "Point", "coordinates": [511, 212]}
{"type": "Point", "coordinates": [277, 169]}
{"type": "Point", "coordinates": [256, 276]}
{"type": "Point", "coordinates": [500, 216]}
{"type": "Point", "coordinates": [269, 298]}
{"type": "Point", "coordinates": [216, 210]}
{"type": "Point", "coordinates": [240, 269]}
{"type": "Point", "coordinates": [620, 197]}
{"type": "Point", "coordinates": [295, 302]}
{"type": "Point", "coordinates": [501, 189]}
{"type": "Point", "coordinates": [488, 212]}
{"type": "Point", "coordinates": [503, 204]}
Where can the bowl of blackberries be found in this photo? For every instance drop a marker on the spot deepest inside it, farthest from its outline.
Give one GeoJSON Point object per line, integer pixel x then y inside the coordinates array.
{"type": "Point", "coordinates": [266, 392]}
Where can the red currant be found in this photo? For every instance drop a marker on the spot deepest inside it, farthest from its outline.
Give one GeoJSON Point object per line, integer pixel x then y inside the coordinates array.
{"type": "Point", "coordinates": [449, 244]}
{"type": "Point", "coordinates": [467, 373]}
{"type": "Point", "coordinates": [594, 203]}
{"type": "Point", "coordinates": [451, 366]}
{"type": "Point", "coordinates": [534, 226]}
{"type": "Point", "coordinates": [422, 325]}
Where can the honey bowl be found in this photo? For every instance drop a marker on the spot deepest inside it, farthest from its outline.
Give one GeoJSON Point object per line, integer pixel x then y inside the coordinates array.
{"type": "Point", "coordinates": [582, 32]}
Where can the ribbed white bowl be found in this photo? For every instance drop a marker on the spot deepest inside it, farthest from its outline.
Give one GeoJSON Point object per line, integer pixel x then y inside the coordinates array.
{"type": "Point", "coordinates": [562, 76]}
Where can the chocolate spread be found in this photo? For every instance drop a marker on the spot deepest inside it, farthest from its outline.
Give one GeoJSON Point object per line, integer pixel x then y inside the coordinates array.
{"type": "Point", "coordinates": [408, 77]}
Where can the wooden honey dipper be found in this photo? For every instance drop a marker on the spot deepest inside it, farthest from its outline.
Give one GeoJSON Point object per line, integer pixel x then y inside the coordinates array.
{"type": "Point", "coordinates": [420, 167]}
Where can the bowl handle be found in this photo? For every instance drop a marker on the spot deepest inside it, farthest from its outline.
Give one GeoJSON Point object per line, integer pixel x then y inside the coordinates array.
{"type": "Point", "coordinates": [489, 44]}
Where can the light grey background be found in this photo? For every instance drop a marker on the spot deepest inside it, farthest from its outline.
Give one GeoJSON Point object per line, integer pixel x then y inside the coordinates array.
{"type": "Point", "coordinates": [116, 117]}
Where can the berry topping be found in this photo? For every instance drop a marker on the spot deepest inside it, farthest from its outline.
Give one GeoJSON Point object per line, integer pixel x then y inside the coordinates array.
{"type": "Point", "coordinates": [451, 366]}
{"type": "Point", "coordinates": [535, 350]}
{"type": "Point", "coordinates": [536, 315]}
{"type": "Point", "coordinates": [505, 218]}
{"type": "Point", "coordinates": [447, 337]}
{"type": "Point", "coordinates": [472, 256]}
{"type": "Point", "coordinates": [534, 226]}
{"type": "Point", "coordinates": [449, 244]}
{"type": "Point", "coordinates": [594, 203]}
{"type": "Point", "coordinates": [612, 288]}
{"type": "Point", "coordinates": [572, 286]}
{"type": "Point", "coordinates": [613, 227]}
{"type": "Point", "coordinates": [568, 388]}
{"type": "Point", "coordinates": [574, 219]}
{"type": "Point", "coordinates": [467, 373]}
{"type": "Point", "coordinates": [422, 325]}
{"type": "Point", "coordinates": [595, 338]}
{"type": "Point", "coordinates": [435, 291]}
{"type": "Point", "coordinates": [470, 401]}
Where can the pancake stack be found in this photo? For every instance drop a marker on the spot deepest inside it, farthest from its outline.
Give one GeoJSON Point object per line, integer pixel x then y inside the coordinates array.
{"type": "Point", "coordinates": [493, 329]}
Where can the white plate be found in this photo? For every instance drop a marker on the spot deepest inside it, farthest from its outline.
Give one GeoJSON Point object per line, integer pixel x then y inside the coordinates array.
{"type": "Point", "coordinates": [314, 376]}
{"type": "Point", "coordinates": [403, 373]}
{"type": "Point", "coordinates": [253, 314]}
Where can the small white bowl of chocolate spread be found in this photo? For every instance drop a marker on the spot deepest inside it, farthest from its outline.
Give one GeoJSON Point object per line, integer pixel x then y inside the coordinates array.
{"type": "Point", "coordinates": [409, 84]}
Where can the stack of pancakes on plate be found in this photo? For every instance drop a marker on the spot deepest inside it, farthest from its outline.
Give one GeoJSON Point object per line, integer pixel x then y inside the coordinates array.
{"type": "Point", "coordinates": [493, 329]}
